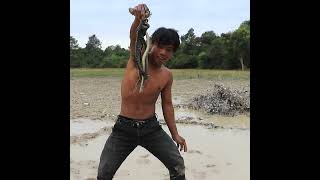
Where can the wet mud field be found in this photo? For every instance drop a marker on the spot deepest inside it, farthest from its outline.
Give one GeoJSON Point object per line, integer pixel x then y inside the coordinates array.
{"type": "Point", "coordinates": [213, 117]}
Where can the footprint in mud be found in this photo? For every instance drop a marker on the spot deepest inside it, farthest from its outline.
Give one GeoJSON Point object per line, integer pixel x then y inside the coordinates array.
{"type": "Point", "coordinates": [194, 151]}
{"type": "Point", "coordinates": [90, 163]}
{"type": "Point", "coordinates": [75, 171]}
{"type": "Point", "coordinates": [185, 118]}
{"type": "Point", "coordinates": [143, 161]}
{"type": "Point", "coordinates": [210, 165]}
{"type": "Point", "coordinates": [145, 156]}
{"type": "Point", "coordinates": [93, 164]}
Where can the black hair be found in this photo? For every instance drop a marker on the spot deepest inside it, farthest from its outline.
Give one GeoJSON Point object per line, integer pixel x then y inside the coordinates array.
{"type": "Point", "coordinates": [165, 36]}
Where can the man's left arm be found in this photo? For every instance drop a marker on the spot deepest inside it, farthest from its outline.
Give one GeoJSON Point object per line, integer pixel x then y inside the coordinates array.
{"type": "Point", "coordinates": [168, 113]}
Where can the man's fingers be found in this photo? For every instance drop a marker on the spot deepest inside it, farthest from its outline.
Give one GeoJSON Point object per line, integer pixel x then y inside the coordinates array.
{"type": "Point", "coordinates": [139, 7]}
{"type": "Point", "coordinates": [143, 11]}
{"type": "Point", "coordinates": [140, 10]}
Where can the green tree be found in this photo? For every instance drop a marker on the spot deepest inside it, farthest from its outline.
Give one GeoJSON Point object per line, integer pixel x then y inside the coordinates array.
{"type": "Point", "coordinates": [241, 44]}
{"type": "Point", "coordinates": [216, 54]}
{"type": "Point", "coordinates": [207, 37]}
{"type": "Point", "coordinates": [73, 43]}
{"type": "Point", "coordinates": [186, 56]}
{"type": "Point", "coordinates": [231, 50]}
{"type": "Point", "coordinates": [205, 54]}
{"type": "Point", "coordinates": [115, 56]}
{"type": "Point", "coordinates": [93, 54]}
{"type": "Point", "coordinates": [93, 43]}
{"type": "Point", "coordinates": [189, 42]}
{"type": "Point", "coordinates": [230, 61]}
{"type": "Point", "coordinates": [203, 60]}
{"type": "Point", "coordinates": [74, 57]}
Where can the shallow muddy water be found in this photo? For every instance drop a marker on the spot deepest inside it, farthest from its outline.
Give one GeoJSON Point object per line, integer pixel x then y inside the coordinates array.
{"type": "Point", "coordinates": [218, 146]}
{"type": "Point", "coordinates": [212, 154]}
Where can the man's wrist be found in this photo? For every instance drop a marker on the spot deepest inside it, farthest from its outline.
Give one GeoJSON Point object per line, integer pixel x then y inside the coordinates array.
{"type": "Point", "coordinates": [174, 135]}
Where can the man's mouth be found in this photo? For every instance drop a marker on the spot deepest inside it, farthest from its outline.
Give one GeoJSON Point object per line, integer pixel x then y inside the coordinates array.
{"type": "Point", "coordinates": [162, 60]}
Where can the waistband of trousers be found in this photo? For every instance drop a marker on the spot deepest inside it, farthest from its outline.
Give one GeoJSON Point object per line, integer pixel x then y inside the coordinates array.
{"type": "Point", "coordinates": [135, 121]}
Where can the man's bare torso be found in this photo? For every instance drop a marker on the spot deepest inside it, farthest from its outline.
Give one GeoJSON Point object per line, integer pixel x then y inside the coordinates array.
{"type": "Point", "coordinates": [141, 105]}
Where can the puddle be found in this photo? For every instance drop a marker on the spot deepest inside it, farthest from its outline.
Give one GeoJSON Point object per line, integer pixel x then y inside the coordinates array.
{"type": "Point", "coordinates": [216, 153]}
{"type": "Point", "coordinates": [212, 154]}
{"type": "Point", "coordinates": [184, 114]}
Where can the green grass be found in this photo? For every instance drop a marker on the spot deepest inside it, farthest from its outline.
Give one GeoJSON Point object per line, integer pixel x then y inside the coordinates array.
{"type": "Point", "coordinates": [177, 73]}
{"type": "Point", "coordinates": [96, 72]}
{"type": "Point", "coordinates": [210, 74]}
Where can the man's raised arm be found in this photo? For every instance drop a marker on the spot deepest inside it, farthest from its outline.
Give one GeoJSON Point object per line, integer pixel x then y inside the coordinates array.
{"type": "Point", "coordinates": [139, 12]}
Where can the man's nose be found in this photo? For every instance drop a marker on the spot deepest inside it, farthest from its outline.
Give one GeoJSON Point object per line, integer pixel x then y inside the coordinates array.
{"type": "Point", "coordinates": [163, 52]}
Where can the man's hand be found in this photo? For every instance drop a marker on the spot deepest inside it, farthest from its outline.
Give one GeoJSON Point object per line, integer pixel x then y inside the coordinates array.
{"type": "Point", "coordinates": [141, 11]}
{"type": "Point", "coordinates": [180, 142]}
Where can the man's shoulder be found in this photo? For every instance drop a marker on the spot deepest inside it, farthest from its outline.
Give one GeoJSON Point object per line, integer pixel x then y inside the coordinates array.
{"type": "Point", "coordinates": [166, 70]}
{"type": "Point", "coordinates": [130, 64]}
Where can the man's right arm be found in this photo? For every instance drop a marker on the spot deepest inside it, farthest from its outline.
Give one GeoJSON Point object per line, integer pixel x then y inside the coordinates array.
{"type": "Point", "coordinates": [139, 12]}
{"type": "Point", "coordinates": [133, 36]}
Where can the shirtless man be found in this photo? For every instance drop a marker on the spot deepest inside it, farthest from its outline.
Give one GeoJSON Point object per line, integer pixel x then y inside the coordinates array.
{"type": "Point", "coordinates": [137, 123]}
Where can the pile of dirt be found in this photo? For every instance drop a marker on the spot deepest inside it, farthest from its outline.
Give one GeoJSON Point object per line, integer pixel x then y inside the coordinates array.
{"type": "Point", "coordinates": [223, 101]}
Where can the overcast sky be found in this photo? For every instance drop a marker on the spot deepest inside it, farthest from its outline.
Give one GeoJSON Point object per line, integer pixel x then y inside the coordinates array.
{"type": "Point", "coordinates": [110, 20]}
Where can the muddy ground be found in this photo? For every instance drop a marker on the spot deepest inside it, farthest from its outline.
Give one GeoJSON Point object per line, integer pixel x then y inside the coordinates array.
{"type": "Point", "coordinates": [218, 144]}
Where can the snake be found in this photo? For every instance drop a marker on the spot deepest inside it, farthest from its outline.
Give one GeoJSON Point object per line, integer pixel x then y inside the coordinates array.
{"type": "Point", "coordinates": [141, 60]}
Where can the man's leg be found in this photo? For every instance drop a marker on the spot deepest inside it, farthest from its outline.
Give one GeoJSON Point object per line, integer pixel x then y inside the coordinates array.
{"type": "Point", "coordinates": [161, 145]}
{"type": "Point", "coordinates": [115, 151]}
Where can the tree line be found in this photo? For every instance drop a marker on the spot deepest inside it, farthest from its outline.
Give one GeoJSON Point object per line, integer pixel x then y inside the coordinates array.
{"type": "Point", "coordinates": [230, 50]}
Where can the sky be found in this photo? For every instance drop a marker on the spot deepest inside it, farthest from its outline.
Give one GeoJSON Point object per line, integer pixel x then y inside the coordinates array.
{"type": "Point", "coordinates": [110, 20]}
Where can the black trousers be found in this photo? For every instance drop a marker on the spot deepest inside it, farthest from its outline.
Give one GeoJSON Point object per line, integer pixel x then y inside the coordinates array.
{"type": "Point", "coordinates": [127, 134]}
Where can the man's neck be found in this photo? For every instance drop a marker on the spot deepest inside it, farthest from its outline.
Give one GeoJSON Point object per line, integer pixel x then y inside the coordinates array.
{"type": "Point", "coordinates": [152, 64]}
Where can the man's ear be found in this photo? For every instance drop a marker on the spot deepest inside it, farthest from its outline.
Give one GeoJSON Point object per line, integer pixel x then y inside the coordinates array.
{"type": "Point", "coordinates": [152, 46]}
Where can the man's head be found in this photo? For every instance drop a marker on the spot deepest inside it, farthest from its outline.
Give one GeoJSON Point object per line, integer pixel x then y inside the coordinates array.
{"type": "Point", "coordinates": [165, 36]}
{"type": "Point", "coordinates": [164, 43]}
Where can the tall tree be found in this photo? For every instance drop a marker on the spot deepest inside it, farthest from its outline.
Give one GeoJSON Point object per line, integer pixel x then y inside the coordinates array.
{"type": "Point", "coordinates": [188, 51]}
{"type": "Point", "coordinates": [74, 55]}
{"type": "Point", "coordinates": [93, 52]}
{"type": "Point", "coordinates": [207, 37]}
{"type": "Point", "coordinates": [231, 50]}
{"type": "Point", "coordinates": [93, 43]}
{"type": "Point", "coordinates": [73, 43]}
{"type": "Point", "coordinates": [241, 43]}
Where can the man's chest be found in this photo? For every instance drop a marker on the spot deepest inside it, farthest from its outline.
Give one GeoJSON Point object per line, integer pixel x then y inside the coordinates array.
{"type": "Point", "coordinates": [152, 86]}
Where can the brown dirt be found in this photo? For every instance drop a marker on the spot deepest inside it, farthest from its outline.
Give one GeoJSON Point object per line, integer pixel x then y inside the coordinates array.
{"type": "Point", "coordinates": [218, 145]}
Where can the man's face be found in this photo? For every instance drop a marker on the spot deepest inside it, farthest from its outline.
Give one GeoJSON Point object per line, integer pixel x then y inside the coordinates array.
{"type": "Point", "coordinates": [162, 53]}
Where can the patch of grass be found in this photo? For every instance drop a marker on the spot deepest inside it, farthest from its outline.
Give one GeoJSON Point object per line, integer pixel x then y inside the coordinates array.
{"type": "Point", "coordinates": [97, 72]}
{"type": "Point", "coordinates": [210, 74]}
{"type": "Point", "coordinates": [177, 73]}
